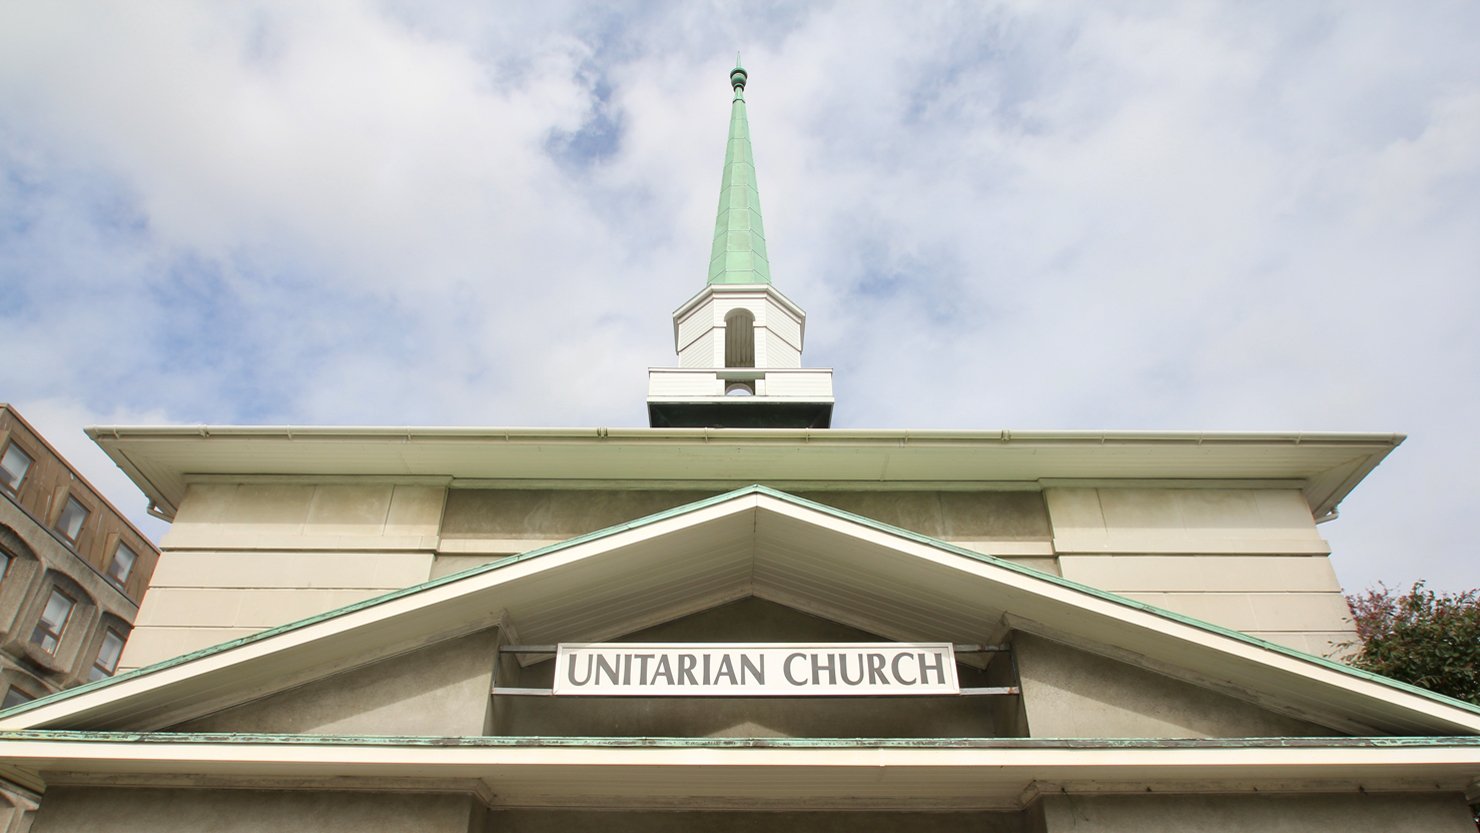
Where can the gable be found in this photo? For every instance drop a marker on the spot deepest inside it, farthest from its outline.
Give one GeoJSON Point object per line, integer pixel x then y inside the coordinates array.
{"type": "Point", "coordinates": [752, 543]}
{"type": "Point", "coordinates": [442, 690]}
{"type": "Point", "coordinates": [1071, 693]}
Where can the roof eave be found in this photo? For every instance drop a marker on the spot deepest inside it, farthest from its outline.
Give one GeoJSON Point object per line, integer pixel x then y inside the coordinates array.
{"type": "Point", "coordinates": [1326, 466]}
{"type": "Point", "coordinates": [990, 773]}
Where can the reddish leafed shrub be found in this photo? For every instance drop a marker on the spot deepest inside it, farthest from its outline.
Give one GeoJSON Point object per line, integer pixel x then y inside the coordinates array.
{"type": "Point", "coordinates": [1428, 639]}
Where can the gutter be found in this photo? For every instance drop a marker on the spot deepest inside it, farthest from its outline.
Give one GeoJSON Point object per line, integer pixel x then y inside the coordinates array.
{"type": "Point", "coordinates": [892, 436]}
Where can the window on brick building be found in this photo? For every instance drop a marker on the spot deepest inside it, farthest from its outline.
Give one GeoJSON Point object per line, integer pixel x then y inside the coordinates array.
{"type": "Point", "coordinates": [53, 621]}
{"type": "Point", "coordinates": [122, 564]}
{"type": "Point", "coordinates": [108, 654]}
{"type": "Point", "coordinates": [69, 523]}
{"type": "Point", "coordinates": [14, 464]}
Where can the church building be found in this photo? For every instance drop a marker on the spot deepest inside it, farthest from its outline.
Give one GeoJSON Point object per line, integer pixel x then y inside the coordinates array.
{"type": "Point", "coordinates": [740, 619]}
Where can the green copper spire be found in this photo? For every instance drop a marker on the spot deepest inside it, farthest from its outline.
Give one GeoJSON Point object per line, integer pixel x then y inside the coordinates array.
{"type": "Point", "coordinates": [739, 253]}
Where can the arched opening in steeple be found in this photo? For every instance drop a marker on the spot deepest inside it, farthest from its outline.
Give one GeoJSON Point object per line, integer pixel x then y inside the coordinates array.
{"type": "Point", "coordinates": [740, 338]}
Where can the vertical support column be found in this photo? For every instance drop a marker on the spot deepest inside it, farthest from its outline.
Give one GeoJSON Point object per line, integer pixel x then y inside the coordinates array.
{"type": "Point", "coordinates": [506, 671]}
{"type": "Point", "coordinates": [19, 809]}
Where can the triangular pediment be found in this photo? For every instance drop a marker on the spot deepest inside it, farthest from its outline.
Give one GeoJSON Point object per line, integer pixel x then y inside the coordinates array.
{"type": "Point", "coordinates": [754, 542]}
{"type": "Point", "coordinates": [442, 690]}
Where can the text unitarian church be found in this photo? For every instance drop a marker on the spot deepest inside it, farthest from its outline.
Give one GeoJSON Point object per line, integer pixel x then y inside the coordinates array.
{"type": "Point", "coordinates": [739, 619]}
{"type": "Point", "coordinates": [741, 670]}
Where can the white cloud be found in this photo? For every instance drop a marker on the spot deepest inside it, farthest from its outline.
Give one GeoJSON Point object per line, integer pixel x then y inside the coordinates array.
{"type": "Point", "coordinates": [1107, 216]}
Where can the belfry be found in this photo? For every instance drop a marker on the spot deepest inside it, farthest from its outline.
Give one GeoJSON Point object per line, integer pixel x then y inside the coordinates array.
{"type": "Point", "coordinates": [739, 341]}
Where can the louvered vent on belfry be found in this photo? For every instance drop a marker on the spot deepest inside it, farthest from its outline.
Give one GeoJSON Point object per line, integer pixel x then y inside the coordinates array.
{"type": "Point", "coordinates": [740, 339]}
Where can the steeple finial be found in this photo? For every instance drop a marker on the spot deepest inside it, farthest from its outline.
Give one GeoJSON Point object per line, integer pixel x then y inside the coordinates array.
{"type": "Point", "coordinates": [739, 252]}
{"type": "Point", "coordinates": [737, 78]}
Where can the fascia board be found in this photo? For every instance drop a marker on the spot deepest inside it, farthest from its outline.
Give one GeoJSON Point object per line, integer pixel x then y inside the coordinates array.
{"type": "Point", "coordinates": [888, 435]}
{"type": "Point", "coordinates": [874, 767]}
{"type": "Point", "coordinates": [162, 459]}
{"type": "Point", "coordinates": [752, 289]}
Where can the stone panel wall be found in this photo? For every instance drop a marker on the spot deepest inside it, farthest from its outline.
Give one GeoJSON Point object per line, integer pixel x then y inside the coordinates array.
{"type": "Point", "coordinates": [1431, 813]}
{"type": "Point", "coordinates": [138, 810]}
{"type": "Point", "coordinates": [1069, 693]}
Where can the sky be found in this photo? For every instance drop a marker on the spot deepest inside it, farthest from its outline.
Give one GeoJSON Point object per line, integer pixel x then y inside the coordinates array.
{"type": "Point", "coordinates": [1108, 215]}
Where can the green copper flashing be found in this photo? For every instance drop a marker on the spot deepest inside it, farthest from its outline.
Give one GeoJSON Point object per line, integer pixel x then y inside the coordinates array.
{"type": "Point", "coordinates": [739, 253]}
{"type": "Point", "coordinates": [659, 742]}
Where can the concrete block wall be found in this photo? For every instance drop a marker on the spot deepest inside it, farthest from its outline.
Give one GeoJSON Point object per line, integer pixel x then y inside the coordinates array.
{"type": "Point", "coordinates": [600, 821]}
{"type": "Point", "coordinates": [1069, 693]}
{"type": "Point", "coordinates": [437, 691]}
{"type": "Point", "coordinates": [243, 557]}
{"type": "Point", "coordinates": [247, 811]}
{"type": "Point", "coordinates": [152, 810]}
{"type": "Point", "coordinates": [1390, 813]}
{"type": "Point", "coordinates": [1246, 559]}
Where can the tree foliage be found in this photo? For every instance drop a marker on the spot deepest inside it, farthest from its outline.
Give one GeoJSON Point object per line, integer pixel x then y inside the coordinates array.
{"type": "Point", "coordinates": [1429, 639]}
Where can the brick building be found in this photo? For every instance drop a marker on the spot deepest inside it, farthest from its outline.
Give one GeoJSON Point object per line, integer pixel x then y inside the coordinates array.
{"type": "Point", "coordinates": [72, 570]}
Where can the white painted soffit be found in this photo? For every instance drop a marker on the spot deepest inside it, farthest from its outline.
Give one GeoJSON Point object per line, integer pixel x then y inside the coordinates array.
{"type": "Point", "coordinates": [163, 459]}
{"type": "Point", "coordinates": [759, 542]}
{"type": "Point", "coordinates": [802, 774]}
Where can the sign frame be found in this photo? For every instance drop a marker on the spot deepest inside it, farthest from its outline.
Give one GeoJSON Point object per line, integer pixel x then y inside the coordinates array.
{"type": "Point", "coordinates": [755, 669]}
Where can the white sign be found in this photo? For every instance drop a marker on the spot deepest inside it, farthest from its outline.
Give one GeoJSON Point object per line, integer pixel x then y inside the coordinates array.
{"type": "Point", "coordinates": [755, 670]}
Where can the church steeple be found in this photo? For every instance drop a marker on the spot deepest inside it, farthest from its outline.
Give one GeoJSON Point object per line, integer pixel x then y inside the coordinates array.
{"type": "Point", "coordinates": [739, 253]}
{"type": "Point", "coordinates": [739, 341]}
